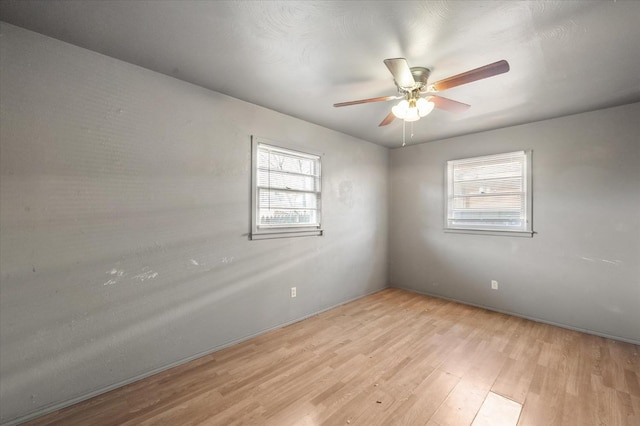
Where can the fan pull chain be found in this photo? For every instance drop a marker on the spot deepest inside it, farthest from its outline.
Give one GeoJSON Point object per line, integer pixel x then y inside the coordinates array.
{"type": "Point", "coordinates": [404, 124]}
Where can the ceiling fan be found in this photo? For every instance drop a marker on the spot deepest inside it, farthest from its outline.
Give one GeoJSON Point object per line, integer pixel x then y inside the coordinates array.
{"type": "Point", "coordinates": [420, 97]}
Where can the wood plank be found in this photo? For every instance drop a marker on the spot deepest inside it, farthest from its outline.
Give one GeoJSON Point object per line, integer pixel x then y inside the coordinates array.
{"type": "Point", "coordinates": [497, 410]}
{"type": "Point", "coordinates": [516, 375]}
{"type": "Point", "coordinates": [461, 406]}
{"type": "Point", "coordinates": [391, 358]}
{"type": "Point", "coordinates": [423, 402]}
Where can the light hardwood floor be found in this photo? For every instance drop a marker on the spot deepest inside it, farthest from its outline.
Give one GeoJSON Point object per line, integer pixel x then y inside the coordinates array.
{"type": "Point", "coordinates": [392, 358]}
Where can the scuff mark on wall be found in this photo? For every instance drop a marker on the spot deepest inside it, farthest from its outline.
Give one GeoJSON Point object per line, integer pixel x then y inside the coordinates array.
{"type": "Point", "coordinates": [146, 275]}
{"type": "Point", "coordinates": [345, 193]}
{"type": "Point", "coordinates": [194, 262]}
{"type": "Point", "coordinates": [116, 274]}
{"type": "Point", "coordinates": [614, 262]}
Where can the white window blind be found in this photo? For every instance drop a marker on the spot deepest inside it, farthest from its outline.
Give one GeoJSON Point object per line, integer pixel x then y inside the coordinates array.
{"type": "Point", "coordinates": [490, 193]}
{"type": "Point", "coordinates": [287, 190]}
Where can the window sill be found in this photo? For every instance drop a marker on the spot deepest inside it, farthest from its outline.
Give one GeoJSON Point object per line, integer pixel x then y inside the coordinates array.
{"type": "Point", "coordinates": [526, 234]}
{"type": "Point", "coordinates": [285, 234]}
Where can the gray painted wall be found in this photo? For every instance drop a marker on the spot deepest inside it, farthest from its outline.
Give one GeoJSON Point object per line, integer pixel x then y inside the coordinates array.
{"type": "Point", "coordinates": [582, 267]}
{"type": "Point", "coordinates": [124, 217]}
{"type": "Point", "coordinates": [124, 209]}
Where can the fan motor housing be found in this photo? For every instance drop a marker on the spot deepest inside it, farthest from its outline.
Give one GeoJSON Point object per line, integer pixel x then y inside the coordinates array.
{"type": "Point", "coordinates": [420, 75]}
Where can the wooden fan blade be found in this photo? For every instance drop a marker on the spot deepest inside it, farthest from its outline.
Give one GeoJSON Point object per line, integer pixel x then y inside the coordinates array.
{"type": "Point", "coordinates": [449, 104]}
{"type": "Point", "coordinates": [401, 72]}
{"type": "Point", "coordinates": [486, 71]}
{"type": "Point", "coordinates": [364, 101]}
{"type": "Point", "coordinates": [387, 120]}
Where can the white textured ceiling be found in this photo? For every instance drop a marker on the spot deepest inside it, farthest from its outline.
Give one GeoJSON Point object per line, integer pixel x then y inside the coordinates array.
{"type": "Point", "coordinates": [301, 57]}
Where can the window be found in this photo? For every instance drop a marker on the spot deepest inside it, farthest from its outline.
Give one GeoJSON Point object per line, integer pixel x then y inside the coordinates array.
{"type": "Point", "coordinates": [286, 191]}
{"type": "Point", "coordinates": [490, 194]}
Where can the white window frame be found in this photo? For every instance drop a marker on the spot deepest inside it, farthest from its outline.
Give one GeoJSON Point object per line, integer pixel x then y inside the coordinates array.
{"type": "Point", "coordinates": [525, 229]}
{"type": "Point", "coordinates": [265, 231]}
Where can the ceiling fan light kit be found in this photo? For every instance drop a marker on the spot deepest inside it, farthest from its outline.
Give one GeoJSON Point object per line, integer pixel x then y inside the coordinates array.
{"type": "Point", "coordinates": [412, 109]}
{"type": "Point", "coordinates": [419, 97]}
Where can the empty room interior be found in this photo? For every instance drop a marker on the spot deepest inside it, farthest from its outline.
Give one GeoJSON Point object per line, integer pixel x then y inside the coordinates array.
{"type": "Point", "coordinates": [319, 213]}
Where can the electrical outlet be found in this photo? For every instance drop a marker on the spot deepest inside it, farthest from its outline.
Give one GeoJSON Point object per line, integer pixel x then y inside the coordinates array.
{"type": "Point", "coordinates": [494, 284]}
{"type": "Point", "coordinates": [293, 292]}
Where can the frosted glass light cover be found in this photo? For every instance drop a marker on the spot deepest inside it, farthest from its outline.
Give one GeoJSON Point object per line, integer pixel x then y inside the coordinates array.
{"type": "Point", "coordinates": [401, 109]}
{"type": "Point", "coordinates": [412, 115]}
{"type": "Point", "coordinates": [424, 107]}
